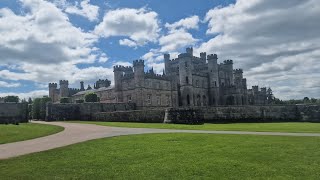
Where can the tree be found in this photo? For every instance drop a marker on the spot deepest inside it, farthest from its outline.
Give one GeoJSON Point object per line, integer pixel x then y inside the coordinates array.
{"type": "Point", "coordinates": [39, 107]}
{"type": "Point", "coordinates": [91, 97]}
{"type": "Point", "coordinates": [306, 100]}
{"type": "Point", "coordinates": [14, 99]}
{"type": "Point", "coordinates": [29, 100]}
{"type": "Point", "coordinates": [64, 100]}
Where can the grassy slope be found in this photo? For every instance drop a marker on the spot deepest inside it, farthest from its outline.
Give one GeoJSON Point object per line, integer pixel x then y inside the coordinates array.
{"type": "Point", "coordinates": [24, 131]}
{"type": "Point", "coordinates": [174, 156]}
{"type": "Point", "coordinates": [268, 127]}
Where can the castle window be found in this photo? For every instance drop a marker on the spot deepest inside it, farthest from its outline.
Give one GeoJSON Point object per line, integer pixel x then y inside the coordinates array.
{"type": "Point", "coordinates": [197, 83]}
{"type": "Point", "coordinates": [188, 99]}
{"type": "Point", "coordinates": [129, 98]}
{"type": "Point", "coordinates": [187, 80]}
{"type": "Point", "coordinates": [215, 83]}
{"type": "Point", "coordinates": [158, 100]}
{"type": "Point", "coordinates": [186, 64]}
{"type": "Point", "coordinates": [168, 100]}
{"type": "Point", "coordinates": [149, 98]}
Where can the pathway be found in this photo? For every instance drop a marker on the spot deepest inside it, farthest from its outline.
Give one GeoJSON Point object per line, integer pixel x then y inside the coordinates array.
{"type": "Point", "coordinates": [75, 133]}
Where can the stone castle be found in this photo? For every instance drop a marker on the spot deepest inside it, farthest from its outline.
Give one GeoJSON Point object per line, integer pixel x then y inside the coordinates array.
{"type": "Point", "coordinates": [186, 81]}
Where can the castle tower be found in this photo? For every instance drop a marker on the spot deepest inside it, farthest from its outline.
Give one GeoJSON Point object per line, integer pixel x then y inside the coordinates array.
{"type": "Point", "coordinates": [138, 68]}
{"type": "Point", "coordinates": [185, 78]}
{"type": "Point", "coordinates": [52, 91]}
{"type": "Point", "coordinates": [166, 63]}
{"type": "Point", "coordinates": [213, 79]}
{"type": "Point", "coordinates": [82, 86]}
{"type": "Point", "coordinates": [229, 72]}
{"type": "Point", "coordinates": [238, 76]}
{"type": "Point", "coordinates": [203, 57]}
{"type": "Point", "coordinates": [64, 88]}
{"type": "Point", "coordinates": [189, 50]}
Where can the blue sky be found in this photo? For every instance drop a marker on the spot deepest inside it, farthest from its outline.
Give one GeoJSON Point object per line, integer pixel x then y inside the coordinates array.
{"type": "Point", "coordinates": [276, 43]}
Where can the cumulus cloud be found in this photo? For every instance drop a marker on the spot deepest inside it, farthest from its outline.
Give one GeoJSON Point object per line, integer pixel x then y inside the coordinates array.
{"type": "Point", "coordinates": [127, 42]}
{"type": "Point", "coordinates": [140, 25]}
{"type": "Point", "coordinates": [187, 23]}
{"type": "Point", "coordinates": [275, 42]}
{"type": "Point", "coordinates": [84, 9]}
{"type": "Point", "coordinates": [32, 94]}
{"type": "Point", "coordinates": [9, 85]}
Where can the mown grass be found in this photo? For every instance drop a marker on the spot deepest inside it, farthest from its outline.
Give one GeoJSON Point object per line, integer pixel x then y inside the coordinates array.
{"type": "Point", "coordinates": [24, 131]}
{"type": "Point", "coordinates": [266, 127]}
{"type": "Point", "coordinates": [174, 156]}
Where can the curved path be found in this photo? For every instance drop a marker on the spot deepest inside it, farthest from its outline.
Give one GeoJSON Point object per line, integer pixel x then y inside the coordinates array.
{"type": "Point", "coordinates": [75, 133]}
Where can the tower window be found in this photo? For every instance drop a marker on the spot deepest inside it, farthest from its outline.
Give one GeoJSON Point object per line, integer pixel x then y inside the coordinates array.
{"type": "Point", "coordinates": [187, 80]}
{"type": "Point", "coordinates": [186, 64]}
{"type": "Point", "coordinates": [215, 83]}
{"type": "Point", "coordinates": [149, 98]}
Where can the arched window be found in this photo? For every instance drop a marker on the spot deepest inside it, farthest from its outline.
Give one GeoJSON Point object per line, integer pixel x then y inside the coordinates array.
{"type": "Point", "coordinates": [187, 80]}
{"type": "Point", "coordinates": [188, 99]}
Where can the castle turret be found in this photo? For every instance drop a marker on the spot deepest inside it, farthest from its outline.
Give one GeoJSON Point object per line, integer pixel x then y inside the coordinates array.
{"type": "Point", "coordinates": [229, 72]}
{"type": "Point", "coordinates": [166, 63]}
{"type": "Point", "coordinates": [52, 91]}
{"type": "Point", "coordinates": [213, 79]}
{"type": "Point", "coordinates": [203, 57]}
{"type": "Point", "coordinates": [82, 86]}
{"type": "Point", "coordinates": [185, 78]}
{"type": "Point", "coordinates": [189, 50]}
{"type": "Point", "coordinates": [238, 76]}
{"type": "Point", "coordinates": [138, 67]}
{"type": "Point", "coordinates": [64, 88]}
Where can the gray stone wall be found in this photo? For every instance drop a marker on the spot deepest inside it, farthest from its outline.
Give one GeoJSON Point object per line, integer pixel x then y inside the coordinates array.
{"type": "Point", "coordinates": [83, 111]}
{"type": "Point", "coordinates": [146, 116]}
{"type": "Point", "coordinates": [13, 112]}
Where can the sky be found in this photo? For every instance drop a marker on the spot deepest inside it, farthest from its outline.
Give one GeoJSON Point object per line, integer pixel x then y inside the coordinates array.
{"type": "Point", "coordinates": [276, 43]}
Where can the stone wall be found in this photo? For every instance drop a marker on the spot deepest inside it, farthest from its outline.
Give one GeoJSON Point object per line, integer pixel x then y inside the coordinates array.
{"type": "Point", "coordinates": [184, 116]}
{"type": "Point", "coordinates": [13, 113]}
{"type": "Point", "coordinates": [83, 111]}
{"type": "Point", "coordinates": [147, 116]}
{"type": "Point", "coordinates": [262, 113]}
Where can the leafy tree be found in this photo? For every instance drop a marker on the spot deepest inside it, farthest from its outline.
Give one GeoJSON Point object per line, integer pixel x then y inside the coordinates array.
{"type": "Point", "coordinates": [14, 99]}
{"type": "Point", "coordinates": [80, 101]}
{"type": "Point", "coordinates": [64, 100]}
{"type": "Point", "coordinates": [91, 97]}
{"type": "Point", "coordinates": [39, 107]}
{"type": "Point", "coordinates": [29, 100]}
{"type": "Point", "coordinates": [306, 100]}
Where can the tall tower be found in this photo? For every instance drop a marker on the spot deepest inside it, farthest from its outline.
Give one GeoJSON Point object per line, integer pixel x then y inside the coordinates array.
{"type": "Point", "coordinates": [64, 88]}
{"type": "Point", "coordinates": [166, 63]}
{"type": "Point", "coordinates": [82, 86]}
{"type": "Point", "coordinates": [229, 72]}
{"type": "Point", "coordinates": [213, 79]}
{"type": "Point", "coordinates": [118, 74]}
{"type": "Point", "coordinates": [52, 91]}
{"type": "Point", "coordinates": [185, 78]}
{"type": "Point", "coordinates": [138, 68]}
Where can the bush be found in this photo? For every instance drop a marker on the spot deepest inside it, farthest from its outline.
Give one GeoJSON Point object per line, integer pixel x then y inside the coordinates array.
{"type": "Point", "coordinates": [39, 107]}
{"type": "Point", "coordinates": [91, 97]}
{"type": "Point", "coordinates": [64, 100]}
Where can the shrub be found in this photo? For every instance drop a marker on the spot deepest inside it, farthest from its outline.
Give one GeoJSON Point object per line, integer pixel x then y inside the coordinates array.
{"type": "Point", "coordinates": [64, 100]}
{"type": "Point", "coordinates": [91, 97]}
{"type": "Point", "coordinates": [14, 99]}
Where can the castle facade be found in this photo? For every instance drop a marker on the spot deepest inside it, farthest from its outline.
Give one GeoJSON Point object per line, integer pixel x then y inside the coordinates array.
{"type": "Point", "coordinates": [187, 81]}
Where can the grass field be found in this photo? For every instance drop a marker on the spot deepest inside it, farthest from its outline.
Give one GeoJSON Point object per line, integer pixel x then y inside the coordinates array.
{"type": "Point", "coordinates": [174, 156]}
{"type": "Point", "coordinates": [267, 127]}
{"type": "Point", "coordinates": [24, 131]}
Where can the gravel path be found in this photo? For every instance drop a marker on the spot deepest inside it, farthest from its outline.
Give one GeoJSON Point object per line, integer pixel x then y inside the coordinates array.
{"type": "Point", "coordinates": [75, 133]}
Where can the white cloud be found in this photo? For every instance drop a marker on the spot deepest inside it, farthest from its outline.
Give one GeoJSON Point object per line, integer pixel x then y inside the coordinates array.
{"type": "Point", "coordinates": [8, 85]}
{"type": "Point", "coordinates": [276, 43]}
{"type": "Point", "coordinates": [84, 9]}
{"type": "Point", "coordinates": [127, 42]}
{"type": "Point", "coordinates": [187, 23]}
{"type": "Point", "coordinates": [176, 40]}
{"type": "Point", "coordinates": [140, 25]}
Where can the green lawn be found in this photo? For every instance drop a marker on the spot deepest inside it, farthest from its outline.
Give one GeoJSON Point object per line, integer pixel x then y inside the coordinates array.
{"type": "Point", "coordinates": [174, 156]}
{"type": "Point", "coordinates": [268, 127]}
{"type": "Point", "coordinates": [24, 131]}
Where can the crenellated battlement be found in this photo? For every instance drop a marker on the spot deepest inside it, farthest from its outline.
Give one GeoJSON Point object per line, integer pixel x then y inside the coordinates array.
{"type": "Point", "coordinates": [138, 62]}
{"type": "Point", "coordinates": [212, 56]}
{"type": "Point", "coordinates": [64, 82]}
{"type": "Point", "coordinates": [237, 71]}
{"type": "Point", "coordinates": [155, 76]}
{"type": "Point", "coordinates": [229, 61]}
{"type": "Point", "coordinates": [53, 85]}
{"type": "Point", "coordinates": [189, 50]}
{"type": "Point", "coordinates": [122, 68]}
